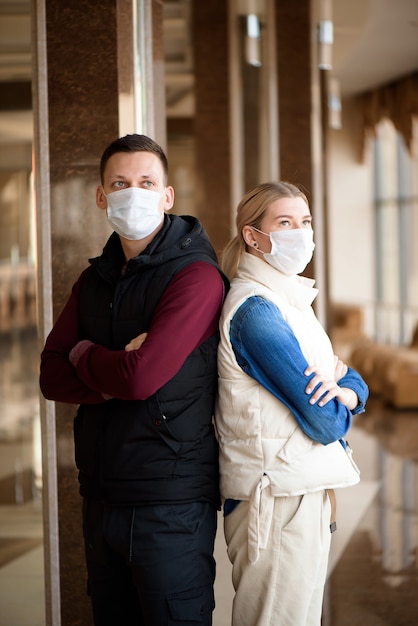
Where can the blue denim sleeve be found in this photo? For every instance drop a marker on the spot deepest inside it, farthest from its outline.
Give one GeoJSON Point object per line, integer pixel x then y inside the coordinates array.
{"type": "Point", "coordinates": [267, 350]}
{"type": "Point", "coordinates": [354, 381]}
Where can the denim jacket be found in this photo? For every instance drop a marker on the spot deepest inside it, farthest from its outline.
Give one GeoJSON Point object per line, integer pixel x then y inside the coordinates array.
{"type": "Point", "coordinates": [267, 350]}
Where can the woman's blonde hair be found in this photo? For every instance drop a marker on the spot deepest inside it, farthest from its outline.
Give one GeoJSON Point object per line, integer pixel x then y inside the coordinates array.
{"type": "Point", "coordinates": [250, 212]}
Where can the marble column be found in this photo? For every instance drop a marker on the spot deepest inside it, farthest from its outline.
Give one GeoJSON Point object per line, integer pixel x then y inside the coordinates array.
{"type": "Point", "coordinates": [83, 79]}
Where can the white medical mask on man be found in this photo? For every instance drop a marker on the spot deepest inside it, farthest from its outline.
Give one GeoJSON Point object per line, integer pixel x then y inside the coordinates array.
{"type": "Point", "coordinates": [134, 212]}
{"type": "Point", "coordinates": [291, 250]}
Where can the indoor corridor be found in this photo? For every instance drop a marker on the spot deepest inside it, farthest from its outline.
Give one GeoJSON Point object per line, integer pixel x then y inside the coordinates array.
{"type": "Point", "coordinates": [373, 570]}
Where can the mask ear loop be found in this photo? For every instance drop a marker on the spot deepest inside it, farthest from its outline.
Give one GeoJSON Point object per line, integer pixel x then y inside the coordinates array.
{"type": "Point", "coordinates": [255, 244]}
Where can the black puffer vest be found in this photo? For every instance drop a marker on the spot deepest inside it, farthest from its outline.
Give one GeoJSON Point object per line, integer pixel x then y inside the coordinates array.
{"type": "Point", "coordinates": [162, 449]}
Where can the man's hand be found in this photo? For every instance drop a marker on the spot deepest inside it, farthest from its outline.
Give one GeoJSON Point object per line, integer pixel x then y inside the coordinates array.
{"type": "Point", "coordinates": [136, 342]}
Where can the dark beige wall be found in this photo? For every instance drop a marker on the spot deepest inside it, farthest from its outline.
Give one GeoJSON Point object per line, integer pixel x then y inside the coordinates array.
{"type": "Point", "coordinates": [301, 162]}
{"type": "Point", "coordinates": [211, 123]}
{"type": "Point", "coordinates": [293, 33]}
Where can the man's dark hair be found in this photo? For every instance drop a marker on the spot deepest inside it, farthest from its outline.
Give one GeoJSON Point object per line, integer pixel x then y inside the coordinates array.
{"type": "Point", "coordinates": [133, 143]}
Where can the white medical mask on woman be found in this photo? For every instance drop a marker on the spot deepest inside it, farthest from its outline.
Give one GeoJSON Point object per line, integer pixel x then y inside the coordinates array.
{"type": "Point", "coordinates": [134, 212]}
{"type": "Point", "coordinates": [291, 250]}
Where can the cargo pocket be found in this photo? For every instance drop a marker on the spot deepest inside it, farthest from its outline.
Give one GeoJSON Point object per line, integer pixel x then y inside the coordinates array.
{"type": "Point", "coordinates": [192, 607]}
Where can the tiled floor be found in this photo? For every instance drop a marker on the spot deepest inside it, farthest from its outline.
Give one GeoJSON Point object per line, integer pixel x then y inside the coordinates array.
{"type": "Point", "coordinates": [373, 570]}
{"type": "Point", "coordinates": [21, 551]}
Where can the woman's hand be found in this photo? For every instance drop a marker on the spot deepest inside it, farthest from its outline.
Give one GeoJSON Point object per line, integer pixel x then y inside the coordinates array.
{"type": "Point", "coordinates": [340, 368]}
{"type": "Point", "coordinates": [327, 388]}
{"type": "Point", "coordinates": [136, 342]}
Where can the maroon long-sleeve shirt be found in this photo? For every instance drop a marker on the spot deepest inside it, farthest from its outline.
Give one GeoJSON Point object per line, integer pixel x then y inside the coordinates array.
{"type": "Point", "coordinates": [186, 316]}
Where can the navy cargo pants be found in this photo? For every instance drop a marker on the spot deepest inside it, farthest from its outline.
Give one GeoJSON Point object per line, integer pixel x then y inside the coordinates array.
{"type": "Point", "coordinates": [150, 565]}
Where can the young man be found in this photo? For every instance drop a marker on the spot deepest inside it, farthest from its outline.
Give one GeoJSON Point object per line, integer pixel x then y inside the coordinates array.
{"type": "Point", "coordinates": [135, 347]}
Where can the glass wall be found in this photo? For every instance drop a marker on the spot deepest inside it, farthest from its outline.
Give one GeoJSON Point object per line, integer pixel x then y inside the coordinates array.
{"type": "Point", "coordinates": [396, 233]}
{"type": "Point", "coordinates": [21, 525]}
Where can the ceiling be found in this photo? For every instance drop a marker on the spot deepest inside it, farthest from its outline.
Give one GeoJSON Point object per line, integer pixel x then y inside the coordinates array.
{"type": "Point", "coordinates": [375, 42]}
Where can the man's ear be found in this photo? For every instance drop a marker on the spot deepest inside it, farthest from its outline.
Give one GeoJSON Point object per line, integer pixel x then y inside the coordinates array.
{"type": "Point", "coordinates": [168, 198]}
{"type": "Point", "coordinates": [101, 198]}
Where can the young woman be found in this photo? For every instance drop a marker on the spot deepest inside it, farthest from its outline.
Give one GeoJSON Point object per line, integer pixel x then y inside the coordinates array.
{"type": "Point", "coordinates": [285, 402]}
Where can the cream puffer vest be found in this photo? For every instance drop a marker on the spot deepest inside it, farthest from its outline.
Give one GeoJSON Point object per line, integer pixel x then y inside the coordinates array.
{"type": "Point", "coordinates": [261, 444]}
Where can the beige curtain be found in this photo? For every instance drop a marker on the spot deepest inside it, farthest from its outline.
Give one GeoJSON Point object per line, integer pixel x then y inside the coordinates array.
{"type": "Point", "coordinates": [397, 101]}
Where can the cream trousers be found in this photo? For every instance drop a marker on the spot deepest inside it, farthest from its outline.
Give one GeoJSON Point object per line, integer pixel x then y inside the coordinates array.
{"type": "Point", "coordinates": [285, 586]}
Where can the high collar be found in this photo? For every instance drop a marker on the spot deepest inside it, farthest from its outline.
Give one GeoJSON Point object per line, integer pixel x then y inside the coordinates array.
{"type": "Point", "coordinates": [182, 238]}
{"type": "Point", "coordinates": [299, 290]}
